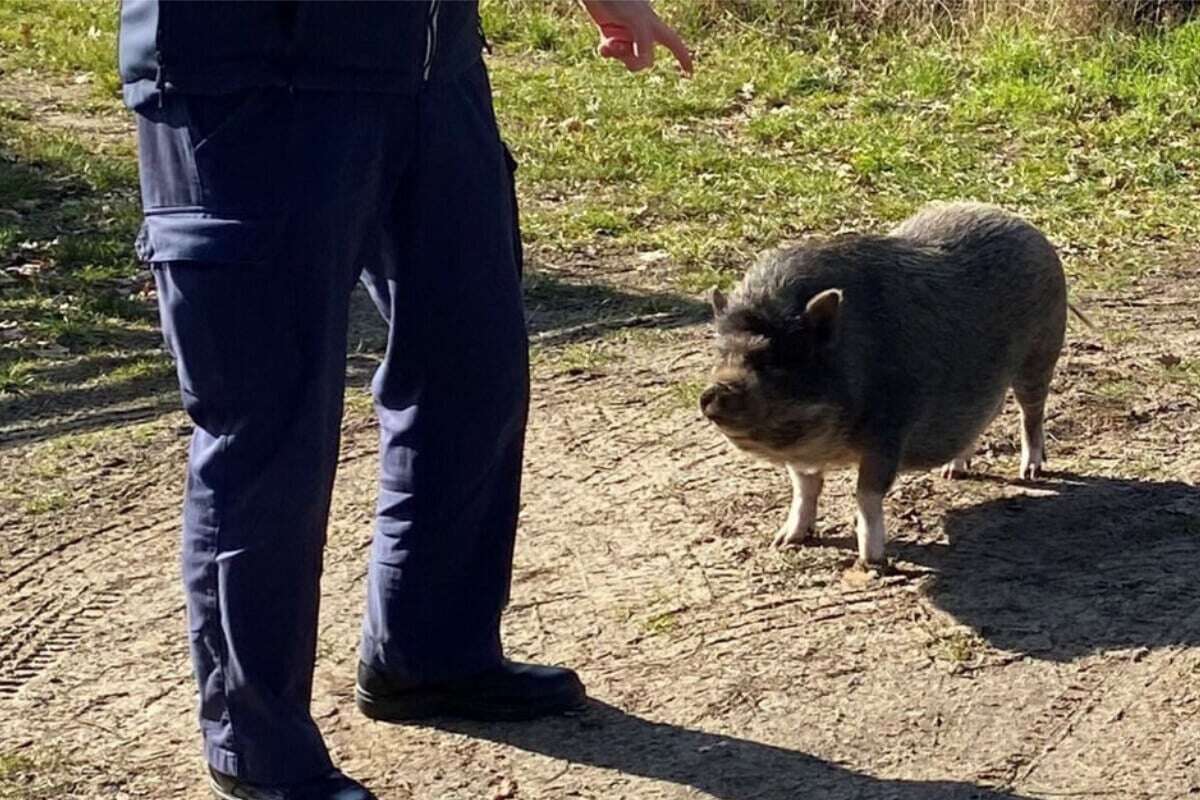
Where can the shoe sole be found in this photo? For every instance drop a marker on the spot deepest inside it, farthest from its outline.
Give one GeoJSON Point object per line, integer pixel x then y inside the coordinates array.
{"type": "Point", "coordinates": [220, 793]}
{"type": "Point", "coordinates": [409, 709]}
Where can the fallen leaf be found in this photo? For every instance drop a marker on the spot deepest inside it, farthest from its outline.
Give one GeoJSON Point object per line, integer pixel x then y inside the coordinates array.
{"type": "Point", "coordinates": [1169, 360]}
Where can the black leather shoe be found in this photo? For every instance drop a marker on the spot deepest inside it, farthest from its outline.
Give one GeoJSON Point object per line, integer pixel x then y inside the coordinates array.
{"type": "Point", "coordinates": [334, 786]}
{"type": "Point", "coordinates": [511, 691]}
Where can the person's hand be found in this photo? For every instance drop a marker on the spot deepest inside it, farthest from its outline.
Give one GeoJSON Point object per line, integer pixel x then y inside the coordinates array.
{"type": "Point", "coordinates": [629, 31]}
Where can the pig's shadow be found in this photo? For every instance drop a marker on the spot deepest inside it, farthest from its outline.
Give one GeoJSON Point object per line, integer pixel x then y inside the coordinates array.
{"type": "Point", "coordinates": [1083, 565]}
{"type": "Point", "coordinates": [723, 767]}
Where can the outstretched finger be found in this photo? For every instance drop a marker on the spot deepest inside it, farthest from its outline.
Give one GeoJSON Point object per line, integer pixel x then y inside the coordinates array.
{"type": "Point", "coordinates": [671, 40]}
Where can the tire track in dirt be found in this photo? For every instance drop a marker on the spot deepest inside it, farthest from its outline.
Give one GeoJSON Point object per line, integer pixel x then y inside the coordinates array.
{"type": "Point", "coordinates": [798, 611]}
{"type": "Point", "coordinates": [60, 594]}
{"type": "Point", "coordinates": [1095, 676]}
{"type": "Point", "coordinates": [59, 589]}
{"type": "Point", "coordinates": [36, 640]}
{"type": "Point", "coordinates": [1052, 726]}
{"type": "Point", "coordinates": [1082, 695]}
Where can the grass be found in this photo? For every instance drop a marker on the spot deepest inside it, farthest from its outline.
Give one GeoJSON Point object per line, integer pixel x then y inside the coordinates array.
{"type": "Point", "coordinates": [1094, 138]}
{"type": "Point", "coordinates": [62, 37]}
{"type": "Point", "coordinates": [793, 125]}
{"type": "Point", "coordinates": [46, 503]}
{"type": "Point", "coordinates": [1118, 390]}
{"type": "Point", "coordinates": [583, 358]}
{"type": "Point", "coordinates": [662, 623]}
{"type": "Point", "coordinates": [39, 776]}
{"type": "Point", "coordinates": [1184, 374]}
{"type": "Point", "coordinates": [12, 764]}
{"type": "Point", "coordinates": [686, 394]}
{"type": "Point", "coordinates": [957, 647]}
{"type": "Point", "coordinates": [71, 287]}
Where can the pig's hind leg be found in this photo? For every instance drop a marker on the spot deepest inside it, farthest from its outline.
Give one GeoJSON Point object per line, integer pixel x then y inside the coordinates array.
{"type": "Point", "coordinates": [1033, 435]}
{"type": "Point", "coordinates": [960, 467]}
{"type": "Point", "coordinates": [806, 490]}
{"type": "Point", "coordinates": [1031, 388]}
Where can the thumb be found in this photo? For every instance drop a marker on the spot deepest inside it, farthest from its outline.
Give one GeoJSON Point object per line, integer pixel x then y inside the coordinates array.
{"type": "Point", "coordinates": [615, 41]}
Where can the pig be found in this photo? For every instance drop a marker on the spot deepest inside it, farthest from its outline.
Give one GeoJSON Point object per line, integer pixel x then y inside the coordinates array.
{"type": "Point", "coordinates": [888, 352]}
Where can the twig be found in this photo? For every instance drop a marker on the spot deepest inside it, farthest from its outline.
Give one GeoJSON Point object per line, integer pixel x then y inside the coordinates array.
{"type": "Point", "coordinates": [604, 325]}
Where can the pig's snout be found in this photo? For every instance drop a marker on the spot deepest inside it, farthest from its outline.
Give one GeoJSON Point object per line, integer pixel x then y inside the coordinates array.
{"type": "Point", "coordinates": [722, 402]}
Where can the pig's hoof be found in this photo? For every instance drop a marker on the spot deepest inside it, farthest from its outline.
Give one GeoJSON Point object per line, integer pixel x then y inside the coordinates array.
{"type": "Point", "coordinates": [789, 537]}
{"type": "Point", "coordinates": [1031, 470]}
{"type": "Point", "coordinates": [956, 469]}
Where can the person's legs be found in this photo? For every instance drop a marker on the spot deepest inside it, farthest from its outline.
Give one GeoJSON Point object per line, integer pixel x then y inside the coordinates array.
{"type": "Point", "coordinates": [256, 207]}
{"type": "Point", "coordinates": [451, 396]}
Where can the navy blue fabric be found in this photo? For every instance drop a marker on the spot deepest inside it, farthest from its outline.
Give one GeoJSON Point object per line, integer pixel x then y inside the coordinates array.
{"type": "Point", "coordinates": [219, 46]}
{"type": "Point", "coordinates": [261, 212]}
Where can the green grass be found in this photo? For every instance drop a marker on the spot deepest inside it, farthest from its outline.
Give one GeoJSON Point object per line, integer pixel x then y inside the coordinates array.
{"type": "Point", "coordinates": [662, 623]}
{"type": "Point", "coordinates": [1120, 391]}
{"type": "Point", "coordinates": [791, 126]}
{"type": "Point", "coordinates": [777, 137]}
{"type": "Point", "coordinates": [46, 503]}
{"type": "Point", "coordinates": [64, 37]}
{"type": "Point", "coordinates": [70, 287]}
{"type": "Point", "coordinates": [1184, 374]}
{"type": "Point", "coordinates": [686, 394]}
{"type": "Point", "coordinates": [34, 776]}
{"type": "Point", "coordinates": [12, 764]}
{"type": "Point", "coordinates": [585, 358]}
{"type": "Point", "coordinates": [957, 647]}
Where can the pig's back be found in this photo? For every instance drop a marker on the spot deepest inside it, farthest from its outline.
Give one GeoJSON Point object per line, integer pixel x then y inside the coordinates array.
{"type": "Point", "coordinates": [983, 268]}
{"type": "Point", "coordinates": [975, 290]}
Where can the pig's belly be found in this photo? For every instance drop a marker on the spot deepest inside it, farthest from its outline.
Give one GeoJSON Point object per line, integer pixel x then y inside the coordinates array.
{"type": "Point", "coordinates": [949, 426]}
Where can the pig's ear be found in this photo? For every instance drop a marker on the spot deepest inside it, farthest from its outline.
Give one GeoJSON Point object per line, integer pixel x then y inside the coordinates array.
{"type": "Point", "coordinates": [821, 313]}
{"type": "Point", "coordinates": [718, 301]}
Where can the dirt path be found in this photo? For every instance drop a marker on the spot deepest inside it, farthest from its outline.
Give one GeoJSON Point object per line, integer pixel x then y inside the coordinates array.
{"type": "Point", "coordinates": [1035, 640]}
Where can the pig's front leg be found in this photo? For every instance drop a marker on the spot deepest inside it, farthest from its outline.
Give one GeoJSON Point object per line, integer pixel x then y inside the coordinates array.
{"type": "Point", "coordinates": [806, 490]}
{"type": "Point", "coordinates": [876, 472]}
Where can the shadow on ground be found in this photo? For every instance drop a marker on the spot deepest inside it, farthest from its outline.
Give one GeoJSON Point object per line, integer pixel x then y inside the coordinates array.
{"type": "Point", "coordinates": [77, 338]}
{"type": "Point", "coordinates": [557, 311]}
{"type": "Point", "coordinates": [74, 401]}
{"type": "Point", "coordinates": [1085, 565]}
{"type": "Point", "coordinates": [79, 399]}
{"type": "Point", "coordinates": [562, 311]}
{"type": "Point", "coordinates": [724, 767]}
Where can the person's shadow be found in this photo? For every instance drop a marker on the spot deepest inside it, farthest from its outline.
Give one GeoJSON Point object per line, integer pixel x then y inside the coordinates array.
{"type": "Point", "coordinates": [1079, 565]}
{"type": "Point", "coordinates": [723, 767]}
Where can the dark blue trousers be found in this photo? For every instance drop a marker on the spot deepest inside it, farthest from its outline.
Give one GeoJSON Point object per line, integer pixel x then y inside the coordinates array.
{"type": "Point", "coordinates": [263, 208]}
